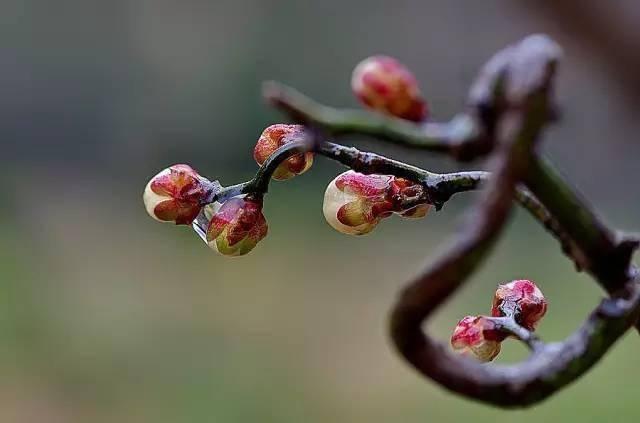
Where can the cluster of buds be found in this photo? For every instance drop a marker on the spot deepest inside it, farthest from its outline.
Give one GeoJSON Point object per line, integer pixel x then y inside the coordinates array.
{"type": "Point", "coordinates": [178, 194]}
{"type": "Point", "coordinates": [355, 203]}
{"type": "Point", "coordinates": [480, 337]}
{"type": "Point", "coordinates": [386, 85]}
{"type": "Point", "coordinates": [274, 137]}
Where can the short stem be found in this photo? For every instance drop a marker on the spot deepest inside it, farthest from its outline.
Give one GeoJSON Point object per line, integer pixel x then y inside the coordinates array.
{"type": "Point", "coordinates": [510, 326]}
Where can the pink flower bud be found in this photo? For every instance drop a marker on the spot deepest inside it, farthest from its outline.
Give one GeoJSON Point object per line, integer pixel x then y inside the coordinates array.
{"type": "Point", "coordinates": [522, 300]}
{"type": "Point", "coordinates": [274, 137]}
{"type": "Point", "coordinates": [355, 203]}
{"type": "Point", "coordinates": [175, 194]}
{"type": "Point", "coordinates": [477, 337]}
{"type": "Point", "coordinates": [236, 226]}
{"type": "Point", "coordinates": [386, 85]}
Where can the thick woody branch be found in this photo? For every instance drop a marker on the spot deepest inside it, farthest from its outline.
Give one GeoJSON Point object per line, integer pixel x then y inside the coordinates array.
{"type": "Point", "coordinates": [550, 367]}
{"type": "Point", "coordinates": [601, 28]}
{"type": "Point", "coordinates": [509, 104]}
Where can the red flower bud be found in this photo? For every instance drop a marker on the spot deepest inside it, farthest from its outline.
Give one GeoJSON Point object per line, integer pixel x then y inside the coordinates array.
{"type": "Point", "coordinates": [175, 194]}
{"type": "Point", "coordinates": [236, 226]}
{"type": "Point", "coordinates": [355, 203]}
{"type": "Point", "coordinates": [477, 337]}
{"type": "Point", "coordinates": [522, 300]}
{"type": "Point", "coordinates": [386, 85]}
{"type": "Point", "coordinates": [274, 137]}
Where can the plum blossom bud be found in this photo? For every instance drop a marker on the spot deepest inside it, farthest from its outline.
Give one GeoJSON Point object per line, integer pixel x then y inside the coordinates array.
{"type": "Point", "coordinates": [236, 226]}
{"type": "Point", "coordinates": [477, 337]}
{"type": "Point", "coordinates": [274, 137]}
{"type": "Point", "coordinates": [522, 300]}
{"type": "Point", "coordinates": [355, 203]}
{"type": "Point", "coordinates": [176, 194]}
{"type": "Point", "coordinates": [386, 85]}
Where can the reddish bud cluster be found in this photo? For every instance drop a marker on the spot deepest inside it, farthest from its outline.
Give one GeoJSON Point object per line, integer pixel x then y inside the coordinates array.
{"type": "Point", "coordinates": [236, 226]}
{"type": "Point", "coordinates": [480, 337]}
{"type": "Point", "coordinates": [274, 137]}
{"type": "Point", "coordinates": [355, 203]}
{"type": "Point", "coordinates": [386, 85]}
{"type": "Point", "coordinates": [175, 195]}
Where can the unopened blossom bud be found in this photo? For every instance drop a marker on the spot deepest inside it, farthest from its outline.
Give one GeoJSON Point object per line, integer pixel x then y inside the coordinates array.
{"type": "Point", "coordinates": [355, 203]}
{"type": "Point", "coordinates": [386, 85]}
{"type": "Point", "coordinates": [175, 194]}
{"type": "Point", "coordinates": [274, 137]}
{"type": "Point", "coordinates": [477, 337]}
{"type": "Point", "coordinates": [522, 300]}
{"type": "Point", "coordinates": [236, 226]}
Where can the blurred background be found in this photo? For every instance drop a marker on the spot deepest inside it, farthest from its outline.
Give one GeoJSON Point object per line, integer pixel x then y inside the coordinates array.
{"type": "Point", "coordinates": [109, 316]}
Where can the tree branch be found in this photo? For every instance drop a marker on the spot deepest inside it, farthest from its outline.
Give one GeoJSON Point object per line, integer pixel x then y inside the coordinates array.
{"type": "Point", "coordinates": [612, 40]}
{"type": "Point", "coordinates": [509, 105]}
{"type": "Point", "coordinates": [586, 239]}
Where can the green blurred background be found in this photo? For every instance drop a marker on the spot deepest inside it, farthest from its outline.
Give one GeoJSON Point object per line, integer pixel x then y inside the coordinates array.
{"type": "Point", "coordinates": [108, 316]}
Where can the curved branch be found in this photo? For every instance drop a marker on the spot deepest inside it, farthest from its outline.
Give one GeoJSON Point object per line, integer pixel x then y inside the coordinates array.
{"type": "Point", "coordinates": [509, 105]}
{"type": "Point", "coordinates": [550, 367]}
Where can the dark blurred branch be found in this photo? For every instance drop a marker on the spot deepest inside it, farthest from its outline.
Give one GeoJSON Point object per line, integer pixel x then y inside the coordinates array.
{"type": "Point", "coordinates": [593, 24]}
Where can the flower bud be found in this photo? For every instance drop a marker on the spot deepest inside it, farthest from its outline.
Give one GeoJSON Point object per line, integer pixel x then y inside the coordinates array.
{"type": "Point", "coordinates": [386, 85]}
{"type": "Point", "coordinates": [355, 203]}
{"type": "Point", "coordinates": [522, 300]}
{"type": "Point", "coordinates": [176, 194]}
{"type": "Point", "coordinates": [236, 226]}
{"type": "Point", "coordinates": [274, 137]}
{"type": "Point", "coordinates": [477, 337]}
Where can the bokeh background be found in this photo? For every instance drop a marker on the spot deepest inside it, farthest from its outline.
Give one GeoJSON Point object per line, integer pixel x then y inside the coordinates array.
{"type": "Point", "coordinates": [108, 316]}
